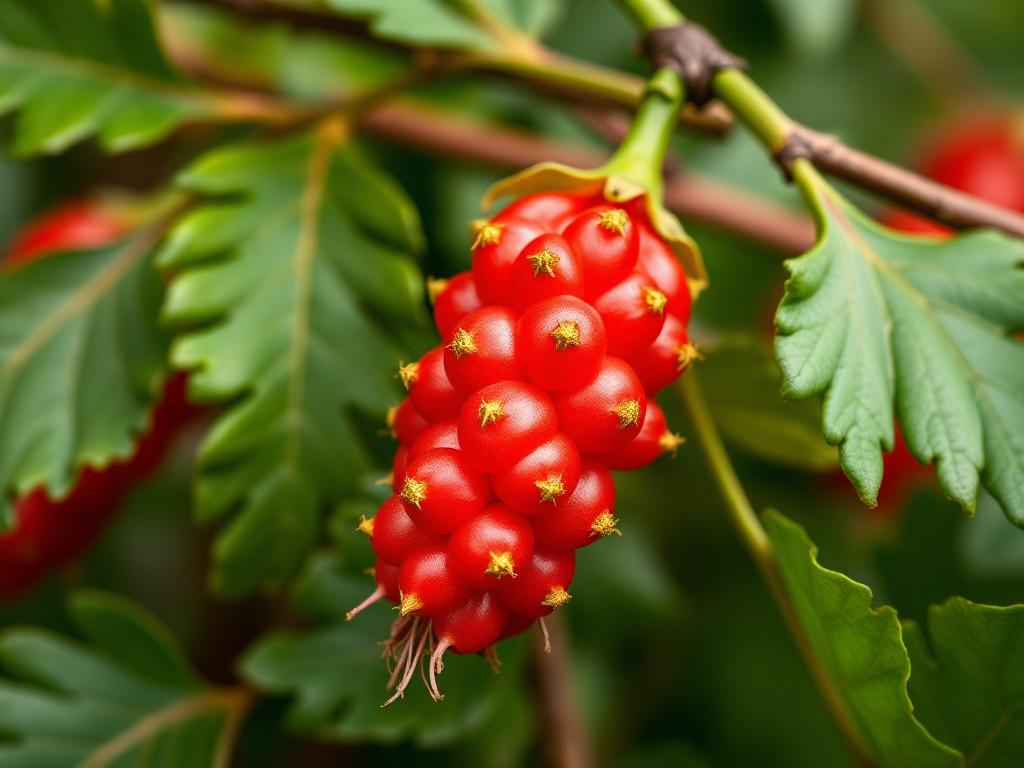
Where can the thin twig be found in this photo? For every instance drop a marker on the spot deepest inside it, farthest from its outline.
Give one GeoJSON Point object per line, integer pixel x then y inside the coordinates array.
{"type": "Point", "coordinates": [692, 196]}
{"type": "Point", "coordinates": [561, 719]}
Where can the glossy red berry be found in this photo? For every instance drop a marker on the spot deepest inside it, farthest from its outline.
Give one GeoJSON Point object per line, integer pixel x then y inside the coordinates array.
{"type": "Point", "coordinates": [490, 548]}
{"type": "Point", "coordinates": [585, 517]}
{"type": "Point", "coordinates": [654, 439]}
{"type": "Point", "coordinates": [430, 392]}
{"type": "Point", "coordinates": [561, 342]}
{"type": "Point", "coordinates": [546, 267]}
{"type": "Point", "coordinates": [398, 464]}
{"type": "Point", "coordinates": [386, 576]}
{"type": "Point", "coordinates": [453, 300]}
{"type": "Point", "coordinates": [393, 534]}
{"type": "Point", "coordinates": [78, 225]}
{"type": "Point", "coordinates": [405, 422]}
{"type": "Point", "coordinates": [482, 350]}
{"type": "Point", "coordinates": [658, 261]}
{"type": "Point", "coordinates": [605, 238]}
{"type": "Point", "coordinates": [473, 626]}
{"type": "Point", "coordinates": [428, 585]}
{"type": "Point", "coordinates": [444, 434]}
{"type": "Point", "coordinates": [606, 412]}
{"type": "Point", "coordinates": [541, 586]}
{"type": "Point", "coordinates": [633, 312]}
{"type": "Point", "coordinates": [551, 210]}
{"type": "Point", "coordinates": [496, 245]}
{"type": "Point", "coordinates": [503, 422]}
{"type": "Point", "coordinates": [441, 490]}
{"type": "Point", "coordinates": [661, 363]}
{"type": "Point", "coordinates": [542, 480]}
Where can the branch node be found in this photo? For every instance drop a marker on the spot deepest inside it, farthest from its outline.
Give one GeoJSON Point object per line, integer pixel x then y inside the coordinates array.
{"type": "Point", "coordinates": [797, 147]}
{"type": "Point", "coordinates": [694, 54]}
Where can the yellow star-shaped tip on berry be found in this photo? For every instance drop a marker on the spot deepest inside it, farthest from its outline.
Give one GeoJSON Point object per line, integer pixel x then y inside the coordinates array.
{"type": "Point", "coordinates": [435, 287]}
{"type": "Point", "coordinates": [605, 524]}
{"type": "Point", "coordinates": [628, 412]}
{"type": "Point", "coordinates": [566, 334]}
{"type": "Point", "coordinates": [485, 233]}
{"type": "Point", "coordinates": [550, 488]}
{"type": "Point", "coordinates": [556, 597]}
{"type": "Point", "coordinates": [462, 343]}
{"type": "Point", "coordinates": [489, 412]}
{"type": "Point", "coordinates": [365, 525]}
{"type": "Point", "coordinates": [408, 373]}
{"type": "Point", "coordinates": [655, 300]}
{"type": "Point", "coordinates": [686, 354]}
{"type": "Point", "coordinates": [501, 564]}
{"type": "Point", "coordinates": [413, 491]}
{"type": "Point", "coordinates": [669, 442]}
{"type": "Point", "coordinates": [614, 220]}
{"type": "Point", "coordinates": [408, 604]}
{"type": "Point", "coordinates": [543, 262]}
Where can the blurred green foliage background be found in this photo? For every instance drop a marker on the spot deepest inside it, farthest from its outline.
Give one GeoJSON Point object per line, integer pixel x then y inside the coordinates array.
{"type": "Point", "coordinates": [679, 657]}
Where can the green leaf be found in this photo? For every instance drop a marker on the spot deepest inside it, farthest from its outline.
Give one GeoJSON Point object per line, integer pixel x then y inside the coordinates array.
{"type": "Point", "coordinates": [465, 24]}
{"type": "Point", "coordinates": [338, 677]}
{"type": "Point", "coordinates": [81, 357]}
{"type": "Point", "coordinates": [860, 651]}
{"type": "Point", "coordinates": [742, 384]}
{"type": "Point", "coordinates": [127, 697]}
{"type": "Point", "coordinates": [971, 694]}
{"type": "Point", "coordinates": [79, 68]}
{"type": "Point", "coordinates": [871, 316]}
{"type": "Point", "coordinates": [289, 286]}
{"type": "Point", "coordinates": [988, 546]}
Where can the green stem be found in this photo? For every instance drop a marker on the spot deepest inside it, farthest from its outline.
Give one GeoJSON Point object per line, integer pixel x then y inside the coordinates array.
{"type": "Point", "coordinates": [641, 156]}
{"type": "Point", "coordinates": [752, 533]}
{"type": "Point", "coordinates": [652, 14]}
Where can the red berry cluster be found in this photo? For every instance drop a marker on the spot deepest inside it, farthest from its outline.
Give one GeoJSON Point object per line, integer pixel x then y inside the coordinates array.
{"type": "Point", "coordinates": [574, 316]}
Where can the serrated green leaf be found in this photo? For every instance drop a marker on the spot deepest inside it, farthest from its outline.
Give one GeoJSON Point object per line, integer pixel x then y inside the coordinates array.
{"type": "Point", "coordinates": [871, 315]}
{"type": "Point", "coordinates": [338, 677]}
{"type": "Point", "coordinates": [971, 693]}
{"type": "Point", "coordinates": [294, 278]}
{"type": "Point", "coordinates": [81, 358]}
{"type": "Point", "coordinates": [742, 393]}
{"type": "Point", "coordinates": [128, 697]}
{"type": "Point", "coordinates": [860, 649]}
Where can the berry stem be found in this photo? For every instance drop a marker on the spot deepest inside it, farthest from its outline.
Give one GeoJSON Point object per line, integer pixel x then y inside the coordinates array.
{"type": "Point", "coordinates": [641, 156]}
{"type": "Point", "coordinates": [561, 719]}
{"type": "Point", "coordinates": [748, 526]}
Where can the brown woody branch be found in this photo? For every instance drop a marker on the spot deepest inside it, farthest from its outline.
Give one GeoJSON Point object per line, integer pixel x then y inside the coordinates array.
{"type": "Point", "coordinates": [563, 729]}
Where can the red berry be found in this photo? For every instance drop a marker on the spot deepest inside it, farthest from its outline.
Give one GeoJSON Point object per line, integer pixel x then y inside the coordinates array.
{"type": "Point", "coordinates": [393, 534]}
{"type": "Point", "coordinates": [73, 226]}
{"type": "Point", "coordinates": [546, 267]}
{"type": "Point", "coordinates": [662, 362]}
{"type": "Point", "coordinates": [542, 480]}
{"type": "Point", "coordinates": [584, 517]}
{"type": "Point", "coordinates": [606, 241]}
{"type": "Point", "coordinates": [441, 490]}
{"type": "Point", "coordinates": [431, 393]}
{"type": "Point", "coordinates": [428, 584]}
{"type": "Point", "coordinates": [473, 626]}
{"type": "Point", "coordinates": [654, 439]}
{"type": "Point", "coordinates": [456, 299]}
{"type": "Point", "coordinates": [605, 413]}
{"type": "Point", "coordinates": [490, 548]}
{"type": "Point", "coordinates": [542, 585]}
{"type": "Point", "coordinates": [658, 261]}
{"type": "Point", "coordinates": [398, 466]}
{"type": "Point", "coordinates": [516, 625]}
{"type": "Point", "coordinates": [502, 423]}
{"type": "Point", "coordinates": [482, 350]}
{"type": "Point", "coordinates": [444, 434]}
{"type": "Point", "coordinates": [634, 314]}
{"type": "Point", "coordinates": [495, 248]}
{"type": "Point", "coordinates": [905, 221]}
{"type": "Point", "coordinates": [386, 576]}
{"type": "Point", "coordinates": [551, 210]}
{"type": "Point", "coordinates": [561, 342]}
{"type": "Point", "coordinates": [405, 422]}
